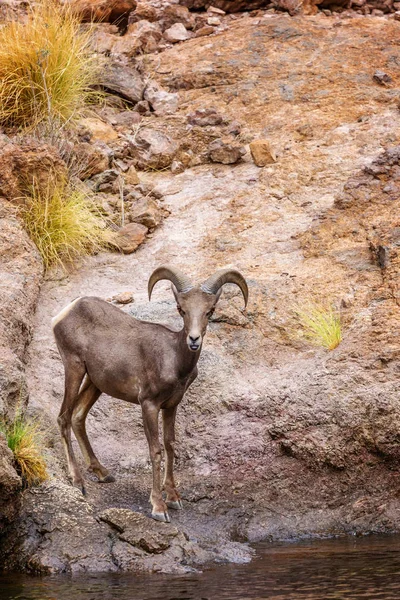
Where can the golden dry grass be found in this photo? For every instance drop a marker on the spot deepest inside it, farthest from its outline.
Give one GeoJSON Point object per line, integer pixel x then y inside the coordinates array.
{"type": "Point", "coordinates": [319, 324]}
{"type": "Point", "coordinates": [64, 223]}
{"type": "Point", "coordinates": [25, 439]}
{"type": "Point", "coordinates": [45, 68]}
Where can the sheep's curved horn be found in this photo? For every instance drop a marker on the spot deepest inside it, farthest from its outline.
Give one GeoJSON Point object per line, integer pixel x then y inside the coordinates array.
{"type": "Point", "coordinates": [216, 281]}
{"type": "Point", "coordinates": [179, 279]}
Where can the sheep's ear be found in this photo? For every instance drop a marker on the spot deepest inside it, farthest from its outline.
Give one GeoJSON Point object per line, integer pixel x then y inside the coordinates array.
{"type": "Point", "coordinates": [175, 292]}
{"type": "Point", "coordinates": [218, 294]}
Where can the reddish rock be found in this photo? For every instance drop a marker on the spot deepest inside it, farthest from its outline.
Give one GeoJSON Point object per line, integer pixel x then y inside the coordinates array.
{"type": "Point", "coordinates": [144, 11]}
{"type": "Point", "coordinates": [99, 130]}
{"type": "Point", "coordinates": [90, 159]}
{"type": "Point", "coordinates": [153, 149]}
{"type": "Point", "coordinates": [110, 11]}
{"type": "Point", "coordinates": [23, 163]}
{"type": "Point", "coordinates": [262, 153]}
{"type": "Point", "coordinates": [131, 177]}
{"type": "Point", "coordinates": [206, 30]}
{"type": "Point", "coordinates": [146, 212]}
{"type": "Point", "coordinates": [129, 238]}
{"type": "Point", "coordinates": [175, 13]}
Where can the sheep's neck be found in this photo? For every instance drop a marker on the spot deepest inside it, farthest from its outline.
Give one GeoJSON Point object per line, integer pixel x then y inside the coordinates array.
{"type": "Point", "coordinates": [188, 359]}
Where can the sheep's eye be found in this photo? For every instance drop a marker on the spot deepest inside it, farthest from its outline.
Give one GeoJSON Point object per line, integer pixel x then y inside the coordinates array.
{"type": "Point", "coordinates": [181, 312]}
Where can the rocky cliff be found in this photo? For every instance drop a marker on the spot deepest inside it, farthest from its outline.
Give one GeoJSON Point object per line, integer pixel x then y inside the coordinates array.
{"type": "Point", "coordinates": [276, 439]}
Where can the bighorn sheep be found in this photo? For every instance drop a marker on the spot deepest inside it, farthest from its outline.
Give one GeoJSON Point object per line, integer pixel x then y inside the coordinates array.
{"type": "Point", "coordinates": [106, 350]}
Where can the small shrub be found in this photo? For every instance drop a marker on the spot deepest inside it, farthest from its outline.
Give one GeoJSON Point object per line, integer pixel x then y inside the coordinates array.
{"type": "Point", "coordinates": [63, 223]}
{"type": "Point", "coordinates": [24, 438]}
{"type": "Point", "coordinates": [45, 68]}
{"type": "Point", "coordinates": [319, 324]}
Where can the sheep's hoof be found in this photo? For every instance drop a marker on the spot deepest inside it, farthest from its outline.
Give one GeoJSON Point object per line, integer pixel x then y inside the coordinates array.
{"type": "Point", "coordinates": [175, 504]}
{"type": "Point", "coordinates": [161, 516]}
{"type": "Point", "coordinates": [107, 479]}
{"type": "Point", "coordinates": [83, 489]}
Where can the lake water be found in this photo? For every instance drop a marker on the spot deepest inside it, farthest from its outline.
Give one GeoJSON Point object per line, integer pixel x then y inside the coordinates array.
{"type": "Point", "coordinates": [350, 568]}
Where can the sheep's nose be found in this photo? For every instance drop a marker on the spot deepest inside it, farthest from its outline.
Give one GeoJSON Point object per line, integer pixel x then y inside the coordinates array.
{"type": "Point", "coordinates": [194, 342]}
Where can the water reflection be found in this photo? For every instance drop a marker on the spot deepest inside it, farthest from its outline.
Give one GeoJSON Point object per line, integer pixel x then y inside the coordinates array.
{"type": "Point", "coordinates": [333, 569]}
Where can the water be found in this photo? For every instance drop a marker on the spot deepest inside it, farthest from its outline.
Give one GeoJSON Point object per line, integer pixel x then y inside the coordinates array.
{"type": "Point", "coordinates": [345, 569]}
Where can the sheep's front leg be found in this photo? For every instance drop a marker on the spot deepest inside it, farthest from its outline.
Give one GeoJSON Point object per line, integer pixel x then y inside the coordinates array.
{"type": "Point", "coordinates": [173, 499]}
{"type": "Point", "coordinates": [150, 422]}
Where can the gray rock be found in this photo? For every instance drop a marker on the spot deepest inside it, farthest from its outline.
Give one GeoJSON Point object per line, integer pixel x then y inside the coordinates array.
{"type": "Point", "coordinates": [105, 181]}
{"type": "Point", "coordinates": [140, 531]}
{"type": "Point", "coordinates": [162, 102]}
{"type": "Point", "coordinates": [382, 78]}
{"type": "Point", "coordinates": [153, 149]}
{"type": "Point", "coordinates": [124, 80]}
{"type": "Point", "coordinates": [146, 212]}
{"type": "Point", "coordinates": [57, 531]}
{"type": "Point", "coordinates": [176, 33]}
{"type": "Point", "coordinates": [226, 152]}
{"type": "Point", "coordinates": [206, 116]}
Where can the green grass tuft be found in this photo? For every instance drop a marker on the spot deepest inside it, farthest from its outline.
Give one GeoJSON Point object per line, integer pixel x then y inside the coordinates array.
{"type": "Point", "coordinates": [46, 70]}
{"type": "Point", "coordinates": [63, 223]}
{"type": "Point", "coordinates": [319, 324]}
{"type": "Point", "coordinates": [25, 440]}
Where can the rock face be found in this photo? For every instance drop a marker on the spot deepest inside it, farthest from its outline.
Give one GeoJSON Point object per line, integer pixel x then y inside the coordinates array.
{"type": "Point", "coordinates": [20, 276]}
{"type": "Point", "coordinates": [10, 485]}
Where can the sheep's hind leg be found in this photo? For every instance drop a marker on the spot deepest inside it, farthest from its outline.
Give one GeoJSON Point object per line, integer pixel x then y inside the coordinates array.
{"type": "Point", "coordinates": [88, 395]}
{"type": "Point", "coordinates": [173, 500]}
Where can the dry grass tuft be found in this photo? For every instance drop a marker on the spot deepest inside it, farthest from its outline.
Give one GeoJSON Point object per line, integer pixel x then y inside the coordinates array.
{"type": "Point", "coordinates": [64, 223]}
{"type": "Point", "coordinates": [45, 67]}
{"type": "Point", "coordinates": [25, 439]}
{"type": "Point", "coordinates": [319, 324]}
